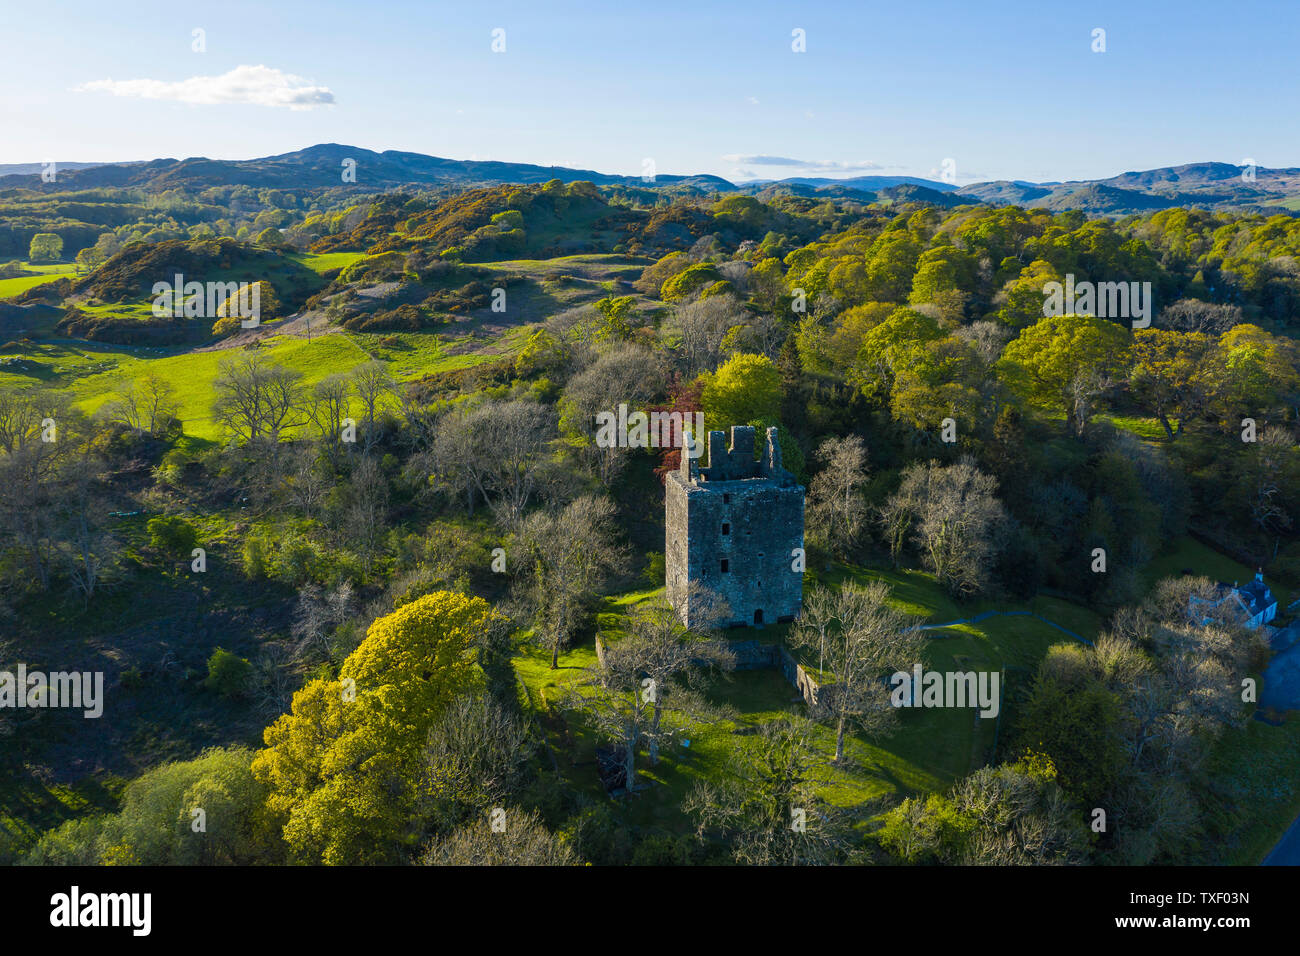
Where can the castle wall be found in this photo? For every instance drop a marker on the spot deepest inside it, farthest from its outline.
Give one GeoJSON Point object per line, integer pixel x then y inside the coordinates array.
{"type": "Point", "coordinates": [732, 529]}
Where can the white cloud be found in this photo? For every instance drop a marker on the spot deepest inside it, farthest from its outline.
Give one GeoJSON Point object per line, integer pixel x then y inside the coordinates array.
{"type": "Point", "coordinates": [805, 165]}
{"type": "Point", "coordinates": [258, 85]}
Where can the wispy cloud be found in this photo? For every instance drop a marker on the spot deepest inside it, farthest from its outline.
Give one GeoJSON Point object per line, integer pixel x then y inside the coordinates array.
{"type": "Point", "coordinates": [805, 165]}
{"type": "Point", "coordinates": [258, 85]}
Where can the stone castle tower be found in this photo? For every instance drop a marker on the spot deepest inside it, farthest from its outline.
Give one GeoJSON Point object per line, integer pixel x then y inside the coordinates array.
{"type": "Point", "coordinates": [732, 528]}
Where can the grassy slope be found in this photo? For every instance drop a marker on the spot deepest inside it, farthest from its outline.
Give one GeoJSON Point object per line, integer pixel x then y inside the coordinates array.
{"type": "Point", "coordinates": [90, 372]}
{"type": "Point", "coordinates": [11, 287]}
{"type": "Point", "coordinates": [153, 654]}
{"type": "Point", "coordinates": [930, 751]}
{"type": "Point", "coordinates": [1257, 765]}
{"type": "Point", "coordinates": [327, 261]}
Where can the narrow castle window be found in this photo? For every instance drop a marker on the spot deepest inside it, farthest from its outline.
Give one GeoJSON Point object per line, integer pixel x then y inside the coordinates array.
{"type": "Point", "coordinates": [726, 499]}
{"type": "Point", "coordinates": [724, 565]}
{"type": "Point", "coordinates": [726, 528]}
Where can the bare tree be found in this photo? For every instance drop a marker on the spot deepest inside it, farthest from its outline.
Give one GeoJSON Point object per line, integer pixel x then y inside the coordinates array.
{"type": "Point", "coordinates": [1270, 481]}
{"type": "Point", "coordinates": [307, 483]}
{"type": "Point", "coordinates": [868, 640]}
{"type": "Point", "coordinates": [571, 553]}
{"type": "Point", "coordinates": [515, 439]}
{"type": "Point", "coordinates": [760, 334]}
{"type": "Point", "coordinates": [521, 839]}
{"type": "Point", "coordinates": [673, 664]}
{"type": "Point", "coordinates": [373, 386]}
{"type": "Point", "coordinates": [154, 403]}
{"type": "Point", "coordinates": [1020, 820]}
{"type": "Point", "coordinates": [454, 458]}
{"type": "Point", "coordinates": [627, 375]}
{"type": "Point", "coordinates": [497, 451]}
{"type": "Point", "coordinates": [702, 325]}
{"type": "Point", "coordinates": [90, 549]}
{"type": "Point", "coordinates": [766, 805]}
{"type": "Point", "coordinates": [256, 399]}
{"type": "Point", "coordinates": [619, 710]}
{"type": "Point", "coordinates": [318, 614]}
{"type": "Point", "coordinates": [816, 622]}
{"type": "Point", "coordinates": [328, 408]}
{"type": "Point", "coordinates": [475, 757]}
{"type": "Point", "coordinates": [837, 509]}
{"type": "Point", "coordinates": [274, 678]}
{"type": "Point", "coordinates": [366, 509]}
{"type": "Point", "coordinates": [649, 684]}
{"type": "Point", "coordinates": [954, 520]}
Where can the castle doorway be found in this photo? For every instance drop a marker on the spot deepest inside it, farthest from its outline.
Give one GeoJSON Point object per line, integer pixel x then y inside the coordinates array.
{"type": "Point", "coordinates": [758, 616]}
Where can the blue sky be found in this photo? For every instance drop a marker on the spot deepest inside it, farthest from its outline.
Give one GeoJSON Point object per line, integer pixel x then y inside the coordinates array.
{"type": "Point", "coordinates": [1007, 90]}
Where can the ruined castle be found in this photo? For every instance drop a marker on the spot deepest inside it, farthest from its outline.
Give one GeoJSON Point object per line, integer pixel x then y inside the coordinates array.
{"type": "Point", "coordinates": [734, 529]}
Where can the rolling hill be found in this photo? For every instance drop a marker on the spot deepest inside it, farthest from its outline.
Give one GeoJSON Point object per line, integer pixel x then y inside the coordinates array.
{"type": "Point", "coordinates": [1210, 185]}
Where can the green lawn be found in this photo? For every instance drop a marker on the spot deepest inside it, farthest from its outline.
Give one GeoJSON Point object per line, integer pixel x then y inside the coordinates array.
{"type": "Point", "coordinates": [11, 287]}
{"type": "Point", "coordinates": [1255, 770]}
{"type": "Point", "coordinates": [91, 372]}
{"type": "Point", "coordinates": [325, 262]}
{"type": "Point", "coordinates": [1147, 428]}
{"type": "Point", "coordinates": [931, 749]}
{"type": "Point", "coordinates": [1202, 560]}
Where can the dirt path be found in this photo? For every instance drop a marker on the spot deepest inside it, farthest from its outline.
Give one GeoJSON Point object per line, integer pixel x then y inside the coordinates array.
{"type": "Point", "coordinates": [985, 615]}
{"type": "Point", "coordinates": [295, 325]}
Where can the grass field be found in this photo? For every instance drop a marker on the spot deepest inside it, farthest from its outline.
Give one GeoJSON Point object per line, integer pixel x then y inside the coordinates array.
{"type": "Point", "coordinates": [328, 261]}
{"type": "Point", "coordinates": [91, 372]}
{"type": "Point", "coordinates": [930, 750]}
{"type": "Point", "coordinates": [11, 287]}
{"type": "Point", "coordinates": [1256, 769]}
{"type": "Point", "coordinates": [48, 272]}
{"type": "Point", "coordinates": [1202, 560]}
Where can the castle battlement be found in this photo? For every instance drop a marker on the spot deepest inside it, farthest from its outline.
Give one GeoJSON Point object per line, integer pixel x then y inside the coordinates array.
{"type": "Point", "coordinates": [739, 461]}
{"type": "Point", "coordinates": [733, 528]}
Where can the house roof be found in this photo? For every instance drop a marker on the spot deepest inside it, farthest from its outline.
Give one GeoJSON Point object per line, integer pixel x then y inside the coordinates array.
{"type": "Point", "coordinates": [1256, 596]}
{"type": "Point", "coordinates": [1253, 598]}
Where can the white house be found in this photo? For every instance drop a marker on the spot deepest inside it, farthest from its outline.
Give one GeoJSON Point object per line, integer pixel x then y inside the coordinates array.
{"type": "Point", "coordinates": [1252, 605]}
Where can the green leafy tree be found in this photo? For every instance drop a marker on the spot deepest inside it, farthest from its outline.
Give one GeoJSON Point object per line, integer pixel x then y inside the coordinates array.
{"type": "Point", "coordinates": [207, 811]}
{"type": "Point", "coordinates": [1171, 376]}
{"type": "Point", "coordinates": [1064, 362]}
{"type": "Point", "coordinates": [617, 317]}
{"type": "Point", "coordinates": [744, 388]}
{"type": "Point", "coordinates": [346, 767]}
{"type": "Point", "coordinates": [1021, 300]}
{"type": "Point", "coordinates": [228, 674]}
{"type": "Point", "coordinates": [45, 247]}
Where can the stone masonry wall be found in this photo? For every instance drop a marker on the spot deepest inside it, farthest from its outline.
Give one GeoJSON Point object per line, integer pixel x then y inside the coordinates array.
{"type": "Point", "coordinates": [732, 528]}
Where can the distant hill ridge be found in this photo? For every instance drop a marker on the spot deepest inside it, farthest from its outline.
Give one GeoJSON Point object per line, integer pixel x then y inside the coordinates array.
{"type": "Point", "coordinates": [1208, 185]}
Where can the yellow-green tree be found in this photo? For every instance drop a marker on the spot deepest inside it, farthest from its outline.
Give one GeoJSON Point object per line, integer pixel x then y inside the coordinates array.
{"type": "Point", "coordinates": [744, 388]}
{"type": "Point", "coordinates": [1171, 377]}
{"type": "Point", "coordinates": [1063, 362]}
{"type": "Point", "coordinates": [1254, 371]}
{"type": "Point", "coordinates": [45, 247]}
{"type": "Point", "coordinates": [1021, 300]}
{"type": "Point", "coordinates": [344, 766]}
{"type": "Point", "coordinates": [889, 347]}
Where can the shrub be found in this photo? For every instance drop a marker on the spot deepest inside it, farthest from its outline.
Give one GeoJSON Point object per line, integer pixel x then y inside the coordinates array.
{"type": "Point", "coordinates": [228, 674]}
{"type": "Point", "coordinates": [227, 325]}
{"type": "Point", "coordinates": [254, 557]}
{"type": "Point", "coordinates": [171, 535]}
{"type": "Point", "coordinates": [297, 560]}
{"type": "Point", "coordinates": [689, 281]}
{"type": "Point", "coordinates": [654, 568]}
